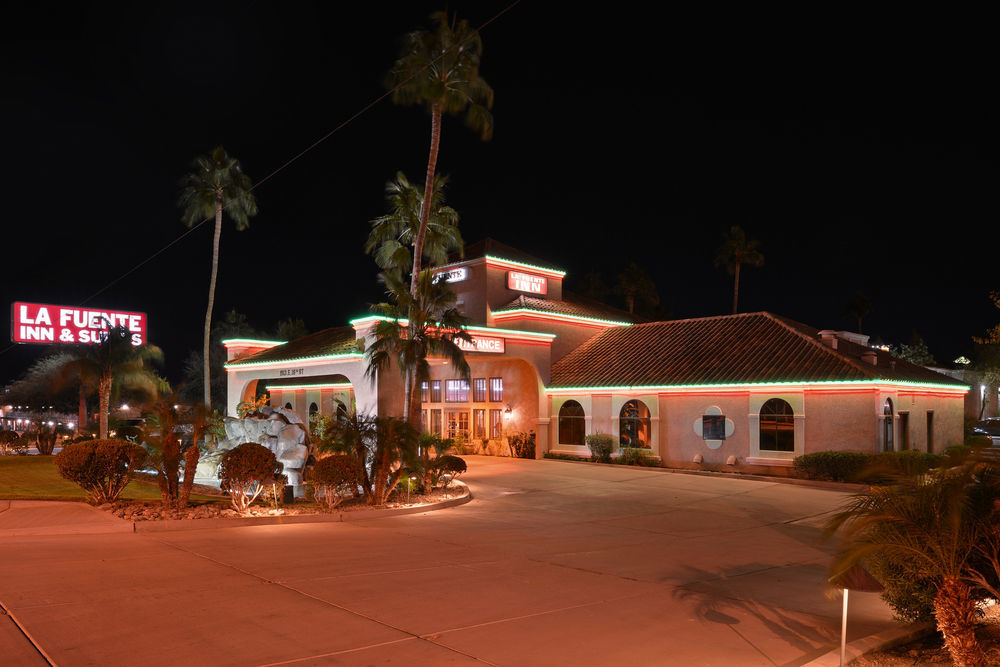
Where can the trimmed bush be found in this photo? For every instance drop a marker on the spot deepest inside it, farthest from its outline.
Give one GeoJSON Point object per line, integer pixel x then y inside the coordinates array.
{"type": "Point", "coordinates": [335, 478]}
{"type": "Point", "coordinates": [245, 471]}
{"type": "Point", "coordinates": [103, 468]}
{"type": "Point", "coordinates": [636, 456]}
{"type": "Point", "coordinates": [832, 465]}
{"type": "Point", "coordinates": [600, 446]}
{"type": "Point", "coordinates": [522, 445]}
{"type": "Point", "coordinates": [449, 467]}
{"type": "Point", "coordinates": [906, 462]}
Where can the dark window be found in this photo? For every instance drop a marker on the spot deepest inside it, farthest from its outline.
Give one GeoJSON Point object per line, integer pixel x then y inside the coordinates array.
{"type": "Point", "coordinates": [288, 406]}
{"type": "Point", "coordinates": [456, 391]}
{"type": "Point", "coordinates": [479, 390]}
{"type": "Point", "coordinates": [634, 425]}
{"type": "Point", "coordinates": [423, 421]}
{"type": "Point", "coordinates": [572, 424]}
{"type": "Point", "coordinates": [495, 428]}
{"type": "Point", "coordinates": [713, 427]}
{"type": "Point", "coordinates": [930, 431]}
{"type": "Point", "coordinates": [888, 444]}
{"type": "Point", "coordinates": [777, 426]}
{"type": "Point", "coordinates": [425, 392]}
{"type": "Point", "coordinates": [436, 392]}
{"type": "Point", "coordinates": [479, 423]}
{"type": "Point", "coordinates": [904, 430]}
{"type": "Point", "coordinates": [313, 408]}
{"type": "Point", "coordinates": [496, 390]}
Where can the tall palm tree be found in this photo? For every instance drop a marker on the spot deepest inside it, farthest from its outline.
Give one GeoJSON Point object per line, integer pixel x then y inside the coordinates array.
{"type": "Point", "coordinates": [392, 235]}
{"type": "Point", "coordinates": [930, 528]}
{"type": "Point", "coordinates": [432, 327]}
{"type": "Point", "coordinates": [439, 69]}
{"type": "Point", "coordinates": [736, 251]}
{"type": "Point", "coordinates": [859, 307]}
{"type": "Point", "coordinates": [216, 183]}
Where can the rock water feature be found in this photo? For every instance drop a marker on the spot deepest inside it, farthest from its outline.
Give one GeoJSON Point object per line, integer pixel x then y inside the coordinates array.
{"type": "Point", "coordinates": [280, 430]}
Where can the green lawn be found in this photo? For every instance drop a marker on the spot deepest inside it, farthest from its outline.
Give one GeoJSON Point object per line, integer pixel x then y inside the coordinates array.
{"type": "Point", "coordinates": [36, 478]}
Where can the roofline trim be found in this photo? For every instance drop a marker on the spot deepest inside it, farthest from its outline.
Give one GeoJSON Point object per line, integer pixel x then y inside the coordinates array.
{"type": "Point", "coordinates": [238, 365]}
{"type": "Point", "coordinates": [510, 314]}
{"type": "Point", "coordinates": [762, 385]}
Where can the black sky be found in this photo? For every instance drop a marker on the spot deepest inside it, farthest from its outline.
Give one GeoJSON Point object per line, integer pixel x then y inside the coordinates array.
{"type": "Point", "coordinates": [859, 149]}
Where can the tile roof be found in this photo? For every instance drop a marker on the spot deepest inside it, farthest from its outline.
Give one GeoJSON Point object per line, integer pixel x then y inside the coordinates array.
{"type": "Point", "coordinates": [338, 340]}
{"type": "Point", "coordinates": [731, 349]}
{"type": "Point", "coordinates": [571, 305]}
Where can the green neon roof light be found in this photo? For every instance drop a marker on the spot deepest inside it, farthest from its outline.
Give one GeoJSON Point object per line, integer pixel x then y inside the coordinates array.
{"type": "Point", "coordinates": [524, 265]}
{"type": "Point", "coordinates": [403, 322]}
{"type": "Point", "coordinates": [320, 357]}
{"type": "Point", "coordinates": [752, 385]}
{"type": "Point", "coordinates": [532, 311]}
{"type": "Point", "coordinates": [254, 341]}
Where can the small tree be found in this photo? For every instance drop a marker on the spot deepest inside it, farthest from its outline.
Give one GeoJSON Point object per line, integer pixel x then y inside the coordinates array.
{"type": "Point", "coordinates": [245, 471]}
{"type": "Point", "coordinates": [448, 467]}
{"type": "Point", "coordinates": [393, 450]}
{"type": "Point", "coordinates": [103, 468]}
{"type": "Point", "coordinates": [335, 478]}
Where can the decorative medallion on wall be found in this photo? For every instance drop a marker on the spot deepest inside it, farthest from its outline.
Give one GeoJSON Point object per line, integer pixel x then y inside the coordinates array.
{"type": "Point", "coordinates": [714, 427]}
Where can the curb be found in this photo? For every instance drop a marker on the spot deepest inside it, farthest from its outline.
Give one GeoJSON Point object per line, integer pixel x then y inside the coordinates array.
{"type": "Point", "coordinates": [876, 642]}
{"type": "Point", "coordinates": [170, 525]}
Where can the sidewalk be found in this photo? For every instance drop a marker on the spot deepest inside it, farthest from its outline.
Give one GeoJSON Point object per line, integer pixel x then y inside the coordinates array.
{"type": "Point", "coordinates": [46, 517]}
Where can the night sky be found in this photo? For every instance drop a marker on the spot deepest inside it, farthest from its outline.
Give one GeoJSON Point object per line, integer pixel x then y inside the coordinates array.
{"type": "Point", "coordinates": [859, 149]}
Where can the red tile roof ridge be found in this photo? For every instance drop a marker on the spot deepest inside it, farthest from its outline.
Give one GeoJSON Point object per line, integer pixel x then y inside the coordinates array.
{"type": "Point", "coordinates": [798, 329]}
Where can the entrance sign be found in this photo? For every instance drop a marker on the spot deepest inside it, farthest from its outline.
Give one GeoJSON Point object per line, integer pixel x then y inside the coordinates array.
{"type": "Point", "coordinates": [527, 282]}
{"type": "Point", "coordinates": [453, 275]}
{"type": "Point", "coordinates": [47, 324]}
{"type": "Point", "coordinates": [482, 344]}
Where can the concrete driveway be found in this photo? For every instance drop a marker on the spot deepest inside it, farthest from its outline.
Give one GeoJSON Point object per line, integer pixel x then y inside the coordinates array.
{"type": "Point", "coordinates": [553, 563]}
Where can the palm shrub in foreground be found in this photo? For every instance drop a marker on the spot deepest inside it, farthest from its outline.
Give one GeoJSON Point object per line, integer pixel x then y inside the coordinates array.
{"type": "Point", "coordinates": [245, 471]}
{"type": "Point", "coordinates": [938, 534]}
{"type": "Point", "coordinates": [103, 468]}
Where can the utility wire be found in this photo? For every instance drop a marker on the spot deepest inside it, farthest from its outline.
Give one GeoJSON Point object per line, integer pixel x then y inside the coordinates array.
{"type": "Point", "coordinates": [289, 162]}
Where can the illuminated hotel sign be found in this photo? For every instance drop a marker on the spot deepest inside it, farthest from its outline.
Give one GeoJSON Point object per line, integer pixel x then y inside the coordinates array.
{"type": "Point", "coordinates": [526, 282]}
{"type": "Point", "coordinates": [42, 323]}
{"type": "Point", "coordinates": [482, 344]}
{"type": "Point", "coordinates": [453, 275]}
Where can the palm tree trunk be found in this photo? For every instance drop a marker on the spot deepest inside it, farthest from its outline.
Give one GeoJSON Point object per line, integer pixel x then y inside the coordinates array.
{"type": "Point", "coordinates": [736, 287]}
{"type": "Point", "coordinates": [425, 206]}
{"type": "Point", "coordinates": [104, 390]}
{"type": "Point", "coordinates": [955, 610]}
{"type": "Point", "coordinates": [207, 375]}
{"type": "Point", "coordinates": [81, 415]}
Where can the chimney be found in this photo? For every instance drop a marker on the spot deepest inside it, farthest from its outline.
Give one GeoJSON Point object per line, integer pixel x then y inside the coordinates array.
{"type": "Point", "coordinates": [829, 338]}
{"type": "Point", "coordinates": [870, 356]}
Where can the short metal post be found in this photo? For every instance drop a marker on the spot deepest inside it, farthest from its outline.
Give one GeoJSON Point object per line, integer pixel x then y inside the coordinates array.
{"type": "Point", "coordinates": [843, 634]}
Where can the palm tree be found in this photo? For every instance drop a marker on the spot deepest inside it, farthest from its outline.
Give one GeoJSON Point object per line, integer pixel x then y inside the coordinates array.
{"type": "Point", "coordinates": [440, 70]}
{"type": "Point", "coordinates": [858, 308]}
{"type": "Point", "coordinates": [116, 361]}
{"type": "Point", "coordinates": [736, 251]}
{"type": "Point", "coordinates": [217, 183]}
{"type": "Point", "coordinates": [928, 528]}
{"type": "Point", "coordinates": [392, 235]}
{"type": "Point", "coordinates": [432, 327]}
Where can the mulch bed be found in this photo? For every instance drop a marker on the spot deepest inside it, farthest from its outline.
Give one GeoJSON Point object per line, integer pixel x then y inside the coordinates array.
{"type": "Point", "coordinates": [930, 650]}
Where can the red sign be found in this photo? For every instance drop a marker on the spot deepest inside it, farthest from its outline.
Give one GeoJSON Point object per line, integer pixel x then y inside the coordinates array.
{"type": "Point", "coordinates": [482, 344]}
{"type": "Point", "coordinates": [42, 323]}
{"type": "Point", "coordinates": [527, 282]}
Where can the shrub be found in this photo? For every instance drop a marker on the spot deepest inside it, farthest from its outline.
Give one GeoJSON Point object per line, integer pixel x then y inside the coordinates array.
{"type": "Point", "coordinates": [906, 462]}
{"type": "Point", "coordinates": [244, 471]}
{"type": "Point", "coordinates": [600, 446]}
{"type": "Point", "coordinates": [103, 468]}
{"type": "Point", "coordinates": [447, 467]}
{"type": "Point", "coordinates": [636, 456]}
{"type": "Point", "coordinates": [130, 433]}
{"type": "Point", "coordinates": [522, 445]}
{"type": "Point", "coordinates": [12, 443]}
{"type": "Point", "coordinates": [563, 457]}
{"type": "Point", "coordinates": [335, 478]}
{"type": "Point", "coordinates": [832, 465]}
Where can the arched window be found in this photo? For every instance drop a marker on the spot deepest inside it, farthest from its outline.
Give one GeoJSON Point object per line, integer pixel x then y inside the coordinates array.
{"type": "Point", "coordinates": [777, 426]}
{"type": "Point", "coordinates": [288, 406]}
{"type": "Point", "coordinates": [887, 429]}
{"type": "Point", "coordinates": [633, 425]}
{"type": "Point", "coordinates": [572, 424]}
{"type": "Point", "coordinates": [313, 408]}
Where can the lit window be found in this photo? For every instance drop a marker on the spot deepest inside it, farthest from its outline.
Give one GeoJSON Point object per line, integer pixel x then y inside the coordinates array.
{"type": "Point", "coordinates": [495, 427]}
{"type": "Point", "coordinates": [479, 390]}
{"type": "Point", "coordinates": [777, 426]}
{"type": "Point", "coordinates": [436, 393]}
{"type": "Point", "coordinates": [496, 390]}
{"type": "Point", "coordinates": [479, 423]}
{"type": "Point", "coordinates": [458, 424]}
{"type": "Point", "coordinates": [436, 422]}
{"type": "Point", "coordinates": [456, 391]}
{"type": "Point", "coordinates": [634, 425]}
{"type": "Point", "coordinates": [572, 424]}
{"type": "Point", "coordinates": [425, 392]}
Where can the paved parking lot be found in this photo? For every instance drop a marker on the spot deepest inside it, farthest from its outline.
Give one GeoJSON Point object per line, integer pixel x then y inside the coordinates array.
{"type": "Point", "coordinates": [553, 563]}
